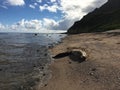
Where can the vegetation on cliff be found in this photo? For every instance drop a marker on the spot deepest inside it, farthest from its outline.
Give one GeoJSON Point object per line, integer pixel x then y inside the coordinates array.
{"type": "Point", "coordinates": [107, 17]}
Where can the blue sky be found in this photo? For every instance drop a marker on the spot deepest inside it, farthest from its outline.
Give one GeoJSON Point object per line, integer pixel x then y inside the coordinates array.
{"type": "Point", "coordinates": [43, 15]}
{"type": "Point", "coordinates": [12, 13]}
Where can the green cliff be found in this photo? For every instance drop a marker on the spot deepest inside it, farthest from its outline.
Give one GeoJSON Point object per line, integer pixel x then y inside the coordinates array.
{"type": "Point", "coordinates": [107, 17]}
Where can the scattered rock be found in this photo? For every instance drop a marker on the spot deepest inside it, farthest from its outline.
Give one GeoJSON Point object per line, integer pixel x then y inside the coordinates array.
{"type": "Point", "coordinates": [50, 46]}
{"type": "Point", "coordinates": [42, 68]}
{"type": "Point", "coordinates": [70, 62]}
{"type": "Point", "coordinates": [45, 54]}
{"type": "Point", "coordinates": [34, 65]}
{"type": "Point", "coordinates": [45, 85]}
{"type": "Point", "coordinates": [93, 69]}
{"type": "Point", "coordinates": [91, 73]}
{"type": "Point", "coordinates": [118, 43]}
{"type": "Point", "coordinates": [0, 69]}
{"type": "Point", "coordinates": [35, 34]}
{"type": "Point", "coordinates": [44, 74]}
{"type": "Point", "coordinates": [38, 50]}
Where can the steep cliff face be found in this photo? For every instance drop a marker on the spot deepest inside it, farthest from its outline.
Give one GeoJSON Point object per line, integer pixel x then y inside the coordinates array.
{"type": "Point", "coordinates": [101, 19]}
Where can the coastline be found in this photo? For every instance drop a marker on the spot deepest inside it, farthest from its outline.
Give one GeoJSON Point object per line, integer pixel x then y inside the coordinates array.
{"type": "Point", "coordinates": [25, 59]}
{"type": "Point", "coordinates": [101, 69]}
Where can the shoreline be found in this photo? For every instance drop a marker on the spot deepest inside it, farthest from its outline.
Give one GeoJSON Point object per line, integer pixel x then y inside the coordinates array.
{"type": "Point", "coordinates": [99, 71]}
{"type": "Point", "coordinates": [25, 60]}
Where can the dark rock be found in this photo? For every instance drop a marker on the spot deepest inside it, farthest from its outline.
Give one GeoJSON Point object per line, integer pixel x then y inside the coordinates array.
{"type": "Point", "coordinates": [34, 65]}
{"type": "Point", "coordinates": [93, 69]}
{"type": "Point", "coordinates": [77, 56]}
{"type": "Point", "coordinates": [45, 54]}
{"type": "Point", "coordinates": [42, 67]}
{"type": "Point", "coordinates": [0, 69]}
{"type": "Point", "coordinates": [70, 62]}
{"type": "Point", "coordinates": [38, 50]}
{"type": "Point", "coordinates": [44, 74]}
{"type": "Point", "coordinates": [35, 34]}
{"type": "Point", "coordinates": [45, 85]}
{"type": "Point", "coordinates": [91, 74]}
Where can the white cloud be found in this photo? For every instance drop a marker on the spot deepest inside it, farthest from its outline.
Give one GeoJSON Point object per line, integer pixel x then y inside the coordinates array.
{"type": "Point", "coordinates": [52, 8]}
{"type": "Point", "coordinates": [39, 1]}
{"type": "Point", "coordinates": [41, 26]}
{"type": "Point", "coordinates": [32, 6]}
{"type": "Point", "coordinates": [72, 10]}
{"type": "Point", "coordinates": [35, 4]}
{"type": "Point", "coordinates": [15, 2]}
{"type": "Point", "coordinates": [49, 23]}
{"type": "Point", "coordinates": [53, 0]}
{"type": "Point", "coordinates": [29, 25]}
{"type": "Point", "coordinates": [2, 26]}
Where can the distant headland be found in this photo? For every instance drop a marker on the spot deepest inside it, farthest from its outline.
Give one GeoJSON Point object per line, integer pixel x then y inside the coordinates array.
{"type": "Point", "coordinates": [107, 17]}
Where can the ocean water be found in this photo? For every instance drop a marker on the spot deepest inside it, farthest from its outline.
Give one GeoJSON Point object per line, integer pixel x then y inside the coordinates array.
{"type": "Point", "coordinates": [30, 38]}
{"type": "Point", "coordinates": [24, 59]}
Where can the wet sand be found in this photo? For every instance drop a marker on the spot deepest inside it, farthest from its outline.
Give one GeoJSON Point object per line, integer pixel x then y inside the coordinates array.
{"type": "Point", "coordinates": [100, 71]}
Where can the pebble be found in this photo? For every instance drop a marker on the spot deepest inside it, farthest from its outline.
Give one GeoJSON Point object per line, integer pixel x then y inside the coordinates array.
{"type": "Point", "coordinates": [91, 74]}
{"type": "Point", "coordinates": [0, 69]}
{"type": "Point", "coordinates": [93, 69]}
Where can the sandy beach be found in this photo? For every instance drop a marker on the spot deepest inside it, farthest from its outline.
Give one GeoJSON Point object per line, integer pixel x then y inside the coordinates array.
{"type": "Point", "coordinates": [100, 70]}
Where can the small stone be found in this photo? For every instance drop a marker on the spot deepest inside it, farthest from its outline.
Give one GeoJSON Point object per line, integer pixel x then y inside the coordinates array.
{"type": "Point", "coordinates": [93, 69]}
{"type": "Point", "coordinates": [38, 50]}
{"type": "Point", "coordinates": [31, 88]}
{"type": "Point", "coordinates": [21, 87]}
{"type": "Point", "coordinates": [45, 54]}
{"type": "Point", "coordinates": [70, 62]}
{"type": "Point", "coordinates": [34, 65]}
{"type": "Point", "coordinates": [35, 34]}
{"type": "Point", "coordinates": [44, 74]}
{"type": "Point", "coordinates": [42, 67]}
{"type": "Point", "coordinates": [37, 79]}
{"type": "Point", "coordinates": [91, 74]}
{"type": "Point", "coordinates": [45, 85]}
{"type": "Point", "coordinates": [119, 78]}
{"type": "Point", "coordinates": [0, 69]}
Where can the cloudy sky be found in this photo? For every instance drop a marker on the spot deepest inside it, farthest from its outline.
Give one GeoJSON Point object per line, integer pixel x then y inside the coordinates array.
{"type": "Point", "coordinates": [43, 15]}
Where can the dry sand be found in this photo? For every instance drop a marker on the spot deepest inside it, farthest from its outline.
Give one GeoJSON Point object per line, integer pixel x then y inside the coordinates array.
{"type": "Point", "coordinates": [101, 70]}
